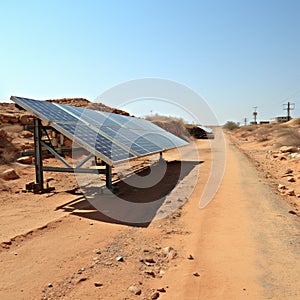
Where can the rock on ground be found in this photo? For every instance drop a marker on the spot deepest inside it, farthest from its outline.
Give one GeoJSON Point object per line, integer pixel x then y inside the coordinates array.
{"type": "Point", "coordinates": [286, 149]}
{"type": "Point", "coordinates": [135, 290]}
{"type": "Point", "coordinates": [27, 160]}
{"type": "Point", "coordinates": [9, 174]}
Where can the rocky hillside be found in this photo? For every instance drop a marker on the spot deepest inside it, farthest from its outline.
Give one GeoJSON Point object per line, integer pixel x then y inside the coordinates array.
{"type": "Point", "coordinates": [271, 136]}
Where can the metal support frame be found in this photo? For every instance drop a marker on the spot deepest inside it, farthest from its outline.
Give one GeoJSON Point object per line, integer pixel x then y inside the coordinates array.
{"type": "Point", "coordinates": [108, 173]}
{"type": "Point", "coordinates": [38, 157]}
{"type": "Point", "coordinates": [160, 157]}
{"type": "Point", "coordinates": [52, 151]}
{"type": "Point", "coordinates": [72, 170]}
{"type": "Point", "coordinates": [39, 168]}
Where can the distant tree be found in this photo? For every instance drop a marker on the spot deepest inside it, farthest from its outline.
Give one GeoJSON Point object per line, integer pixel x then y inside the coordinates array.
{"type": "Point", "coordinates": [230, 125]}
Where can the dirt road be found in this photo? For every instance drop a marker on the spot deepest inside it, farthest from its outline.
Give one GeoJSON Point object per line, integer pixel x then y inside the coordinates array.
{"type": "Point", "coordinates": [244, 245]}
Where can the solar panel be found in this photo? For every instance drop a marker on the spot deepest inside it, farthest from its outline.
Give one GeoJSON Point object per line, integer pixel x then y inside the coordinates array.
{"type": "Point", "coordinates": [91, 116]}
{"type": "Point", "coordinates": [120, 128]}
{"type": "Point", "coordinates": [111, 137]}
{"type": "Point", "coordinates": [47, 110]}
{"type": "Point", "coordinates": [85, 135]}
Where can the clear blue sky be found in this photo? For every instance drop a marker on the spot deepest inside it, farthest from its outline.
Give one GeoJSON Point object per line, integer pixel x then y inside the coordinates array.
{"type": "Point", "coordinates": [235, 54]}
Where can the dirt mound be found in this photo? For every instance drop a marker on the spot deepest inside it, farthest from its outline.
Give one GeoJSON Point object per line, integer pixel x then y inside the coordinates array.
{"type": "Point", "coordinates": [294, 122]}
{"type": "Point", "coordinates": [270, 135]}
{"type": "Point", "coordinates": [78, 102]}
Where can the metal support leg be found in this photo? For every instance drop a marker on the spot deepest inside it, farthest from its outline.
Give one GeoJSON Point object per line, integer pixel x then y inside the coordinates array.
{"type": "Point", "coordinates": [38, 154]}
{"type": "Point", "coordinates": [160, 156]}
{"type": "Point", "coordinates": [108, 176]}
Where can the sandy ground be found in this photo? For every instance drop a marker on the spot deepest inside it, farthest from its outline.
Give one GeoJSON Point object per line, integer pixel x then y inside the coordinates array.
{"type": "Point", "coordinates": [262, 145]}
{"type": "Point", "coordinates": [242, 245]}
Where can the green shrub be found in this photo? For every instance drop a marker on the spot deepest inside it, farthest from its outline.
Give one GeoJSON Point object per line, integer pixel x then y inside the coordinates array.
{"type": "Point", "coordinates": [230, 125]}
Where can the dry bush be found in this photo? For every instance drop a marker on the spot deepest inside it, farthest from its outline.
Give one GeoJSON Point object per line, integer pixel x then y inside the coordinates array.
{"type": "Point", "coordinates": [264, 131]}
{"type": "Point", "coordinates": [289, 136]}
{"type": "Point", "coordinates": [160, 118]}
{"type": "Point", "coordinates": [172, 124]}
{"type": "Point", "coordinates": [230, 125]}
{"type": "Point", "coordinates": [263, 134]}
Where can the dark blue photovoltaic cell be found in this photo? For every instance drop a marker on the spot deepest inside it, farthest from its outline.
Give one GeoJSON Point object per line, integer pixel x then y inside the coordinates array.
{"type": "Point", "coordinates": [115, 137]}
{"type": "Point", "coordinates": [77, 111]}
{"type": "Point", "coordinates": [132, 139]}
{"type": "Point", "coordinates": [96, 141]}
{"type": "Point", "coordinates": [165, 139]}
{"type": "Point", "coordinates": [130, 144]}
{"type": "Point", "coordinates": [92, 116]}
{"type": "Point", "coordinates": [135, 123]}
{"type": "Point", "coordinates": [151, 147]}
{"type": "Point", "coordinates": [119, 118]}
{"type": "Point", "coordinates": [48, 110]}
{"type": "Point", "coordinates": [178, 142]}
{"type": "Point", "coordinates": [160, 139]}
{"type": "Point", "coordinates": [132, 123]}
{"type": "Point", "coordinates": [105, 122]}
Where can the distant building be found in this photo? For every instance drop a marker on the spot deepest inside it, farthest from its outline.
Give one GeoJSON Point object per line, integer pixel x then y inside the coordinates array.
{"type": "Point", "coordinates": [280, 119]}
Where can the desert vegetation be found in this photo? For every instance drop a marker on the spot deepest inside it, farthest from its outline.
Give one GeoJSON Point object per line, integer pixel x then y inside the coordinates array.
{"type": "Point", "coordinates": [230, 125]}
{"type": "Point", "coordinates": [174, 125]}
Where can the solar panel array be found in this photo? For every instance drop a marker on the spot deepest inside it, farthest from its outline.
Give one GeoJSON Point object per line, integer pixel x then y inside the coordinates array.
{"type": "Point", "coordinates": [111, 137]}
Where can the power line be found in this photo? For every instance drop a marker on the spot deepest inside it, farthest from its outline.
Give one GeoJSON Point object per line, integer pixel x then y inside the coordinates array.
{"type": "Point", "coordinates": [291, 96]}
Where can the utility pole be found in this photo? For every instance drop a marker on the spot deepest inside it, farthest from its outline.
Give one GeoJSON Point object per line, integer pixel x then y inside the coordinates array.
{"type": "Point", "coordinates": [288, 107]}
{"type": "Point", "coordinates": [255, 114]}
